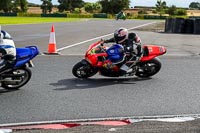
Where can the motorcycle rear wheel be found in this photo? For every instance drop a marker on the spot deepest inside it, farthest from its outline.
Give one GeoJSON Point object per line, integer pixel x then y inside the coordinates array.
{"type": "Point", "coordinates": [20, 81]}
{"type": "Point", "coordinates": [83, 70]}
{"type": "Point", "coordinates": [149, 68]}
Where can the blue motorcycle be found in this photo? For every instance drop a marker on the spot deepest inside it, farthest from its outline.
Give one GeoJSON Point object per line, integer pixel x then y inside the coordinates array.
{"type": "Point", "coordinates": [18, 74]}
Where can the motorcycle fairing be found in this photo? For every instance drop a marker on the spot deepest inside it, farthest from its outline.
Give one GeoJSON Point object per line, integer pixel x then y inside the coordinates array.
{"type": "Point", "coordinates": [24, 55]}
{"type": "Point", "coordinates": [115, 53]}
{"type": "Point", "coordinates": [151, 51]}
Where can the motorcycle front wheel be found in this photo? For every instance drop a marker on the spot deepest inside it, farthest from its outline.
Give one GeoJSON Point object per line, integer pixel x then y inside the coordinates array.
{"type": "Point", "coordinates": [149, 68]}
{"type": "Point", "coordinates": [19, 78]}
{"type": "Point", "coordinates": [83, 70]}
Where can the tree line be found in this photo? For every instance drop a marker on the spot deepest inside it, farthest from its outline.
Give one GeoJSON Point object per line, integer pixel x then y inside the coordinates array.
{"type": "Point", "coordinates": [106, 6]}
{"type": "Point", "coordinates": [162, 8]}
{"type": "Point", "coordinates": [13, 5]}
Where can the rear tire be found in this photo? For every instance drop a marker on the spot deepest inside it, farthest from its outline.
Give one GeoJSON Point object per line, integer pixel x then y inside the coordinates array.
{"type": "Point", "coordinates": [83, 70]}
{"type": "Point", "coordinates": [149, 68]}
{"type": "Point", "coordinates": [26, 76]}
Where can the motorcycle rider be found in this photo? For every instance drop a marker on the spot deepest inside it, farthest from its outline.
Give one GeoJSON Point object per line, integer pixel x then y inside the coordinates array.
{"type": "Point", "coordinates": [132, 46]}
{"type": "Point", "coordinates": [7, 50]}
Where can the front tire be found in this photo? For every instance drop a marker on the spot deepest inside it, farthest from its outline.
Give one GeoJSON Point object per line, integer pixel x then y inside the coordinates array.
{"type": "Point", "coordinates": [149, 68]}
{"type": "Point", "coordinates": [15, 83]}
{"type": "Point", "coordinates": [83, 70]}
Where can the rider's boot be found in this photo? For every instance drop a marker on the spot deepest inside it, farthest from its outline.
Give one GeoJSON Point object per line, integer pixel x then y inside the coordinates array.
{"type": "Point", "coordinates": [125, 68]}
{"type": "Point", "coordinates": [4, 65]}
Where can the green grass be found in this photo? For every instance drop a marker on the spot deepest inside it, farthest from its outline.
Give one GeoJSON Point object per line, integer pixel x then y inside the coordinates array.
{"type": "Point", "coordinates": [34, 20]}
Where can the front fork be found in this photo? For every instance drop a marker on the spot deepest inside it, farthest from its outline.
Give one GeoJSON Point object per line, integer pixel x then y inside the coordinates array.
{"type": "Point", "coordinates": [30, 63]}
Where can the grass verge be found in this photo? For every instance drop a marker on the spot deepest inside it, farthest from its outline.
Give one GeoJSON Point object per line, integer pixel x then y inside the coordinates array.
{"type": "Point", "coordinates": [34, 20]}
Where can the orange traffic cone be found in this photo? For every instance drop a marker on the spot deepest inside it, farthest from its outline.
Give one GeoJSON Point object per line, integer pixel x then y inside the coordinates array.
{"type": "Point", "coordinates": [52, 42]}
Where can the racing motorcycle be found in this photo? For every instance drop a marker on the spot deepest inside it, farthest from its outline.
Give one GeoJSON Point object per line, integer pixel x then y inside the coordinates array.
{"type": "Point", "coordinates": [99, 58]}
{"type": "Point", "coordinates": [19, 73]}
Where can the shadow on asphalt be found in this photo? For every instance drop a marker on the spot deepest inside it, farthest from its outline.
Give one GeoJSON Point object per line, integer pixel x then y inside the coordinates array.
{"type": "Point", "coordinates": [6, 91]}
{"type": "Point", "coordinates": [75, 83]}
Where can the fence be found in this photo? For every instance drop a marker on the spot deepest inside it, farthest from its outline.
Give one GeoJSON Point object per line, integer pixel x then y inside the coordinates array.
{"type": "Point", "coordinates": [8, 14]}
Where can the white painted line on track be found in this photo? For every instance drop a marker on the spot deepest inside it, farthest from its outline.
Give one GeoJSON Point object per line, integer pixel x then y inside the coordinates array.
{"type": "Point", "coordinates": [133, 118]}
{"type": "Point", "coordinates": [101, 37]}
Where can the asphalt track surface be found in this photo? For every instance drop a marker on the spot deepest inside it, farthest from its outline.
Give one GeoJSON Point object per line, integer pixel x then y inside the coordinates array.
{"type": "Point", "coordinates": [54, 94]}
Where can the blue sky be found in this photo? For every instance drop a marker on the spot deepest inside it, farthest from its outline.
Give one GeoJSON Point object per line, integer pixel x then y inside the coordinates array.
{"type": "Point", "coordinates": [178, 3]}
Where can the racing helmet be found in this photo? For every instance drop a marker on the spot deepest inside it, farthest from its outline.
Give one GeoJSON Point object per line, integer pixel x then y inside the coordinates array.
{"type": "Point", "coordinates": [5, 35]}
{"type": "Point", "coordinates": [121, 35]}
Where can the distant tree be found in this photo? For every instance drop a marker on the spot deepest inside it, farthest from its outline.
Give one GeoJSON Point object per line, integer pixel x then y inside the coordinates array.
{"type": "Point", "coordinates": [181, 12]}
{"type": "Point", "coordinates": [172, 10]}
{"type": "Point", "coordinates": [15, 6]}
{"type": "Point", "coordinates": [160, 6]}
{"type": "Point", "coordinates": [19, 5]}
{"type": "Point", "coordinates": [77, 10]}
{"type": "Point", "coordinates": [23, 5]}
{"type": "Point", "coordinates": [92, 7]}
{"type": "Point", "coordinates": [69, 5]}
{"type": "Point", "coordinates": [6, 5]}
{"type": "Point", "coordinates": [194, 5]}
{"type": "Point", "coordinates": [46, 6]}
{"type": "Point", "coordinates": [50, 6]}
{"type": "Point", "coordinates": [114, 6]}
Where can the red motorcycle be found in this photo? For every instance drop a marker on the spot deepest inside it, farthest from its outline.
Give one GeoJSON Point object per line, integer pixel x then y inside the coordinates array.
{"type": "Point", "coordinates": [102, 59]}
